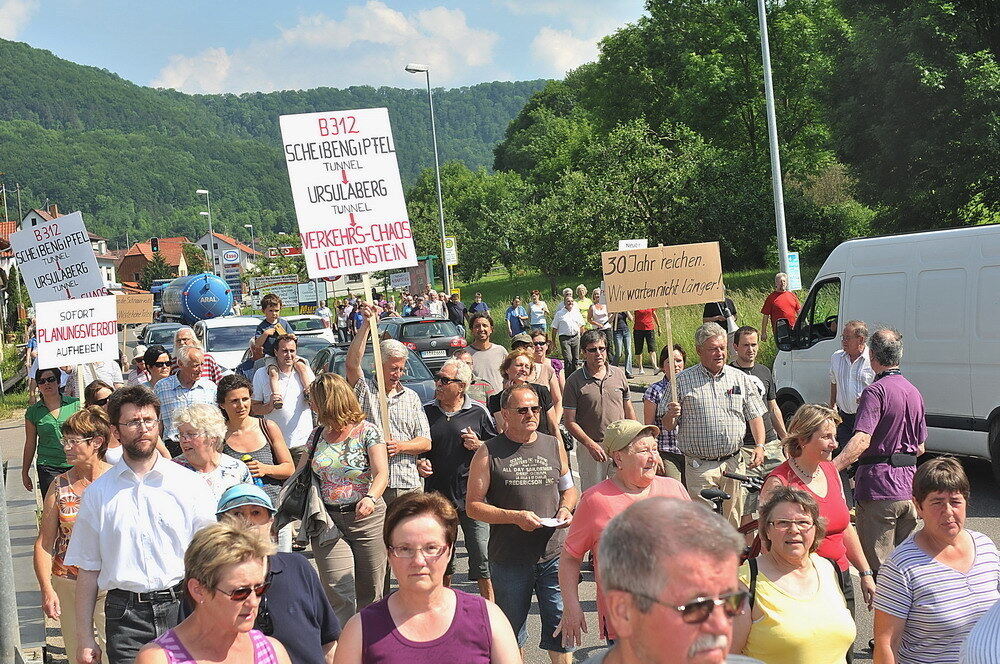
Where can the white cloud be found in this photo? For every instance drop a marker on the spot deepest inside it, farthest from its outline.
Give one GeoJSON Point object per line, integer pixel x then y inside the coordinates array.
{"type": "Point", "coordinates": [367, 45]}
{"type": "Point", "coordinates": [560, 50]}
{"type": "Point", "coordinates": [15, 15]}
{"type": "Point", "coordinates": [585, 17]}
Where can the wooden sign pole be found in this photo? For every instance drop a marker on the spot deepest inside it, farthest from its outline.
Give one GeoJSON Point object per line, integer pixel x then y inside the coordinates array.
{"type": "Point", "coordinates": [383, 405]}
{"type": "Point", "coordinates": [670, 345]}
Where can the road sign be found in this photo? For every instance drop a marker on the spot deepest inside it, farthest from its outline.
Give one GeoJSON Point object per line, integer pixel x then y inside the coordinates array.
{"type": "Point", "coordinates": [274, 252]}
{"type": "Point", "coordinates": [78, 331]}
{"type": "Point", "coordinates": [347, 192]}
{"type": "Point", "coordinates": [285, 286]}
{"type": "Point", "coordinates": [794, 274]}
{"type": "Point", "coordinates": [625, 245]}
{"type": "Point", "coordinates": [307, 292]}
{"type": "Point", "coordinates": [230, 256]}
{"type": "Point", "coordinates": [450, 250]}
{"type": "Point", "coordinates": [57, 260]}
{"type": "Point", "coordinates": [399, 280]}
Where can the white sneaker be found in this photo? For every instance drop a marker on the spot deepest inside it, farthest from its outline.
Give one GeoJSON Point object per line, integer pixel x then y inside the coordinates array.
{"type": "Point", "coordinates": [642, 372]}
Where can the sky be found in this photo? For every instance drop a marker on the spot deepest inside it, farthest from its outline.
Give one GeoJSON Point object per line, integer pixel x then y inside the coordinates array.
{"type": "Point", "coordinates": [212, 46]}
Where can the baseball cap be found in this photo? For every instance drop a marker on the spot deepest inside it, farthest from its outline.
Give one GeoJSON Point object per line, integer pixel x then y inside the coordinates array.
{"type": "Point", "coordinates": [619, 434]}
{"type": "Point", "coordinates": [521, 338]}
{"type": "Point", "coordinates": [244, 494]}
{"type": "Point", "coordinates": [140, 350]}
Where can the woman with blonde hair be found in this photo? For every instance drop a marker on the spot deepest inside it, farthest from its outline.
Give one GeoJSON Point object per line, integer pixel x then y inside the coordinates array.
{"type": "Point", "coordinates": [85, 437]}
{"type": "Point", "coordinates": [202, 432]}
{"type": "Point", "coordinates": [225, 575]}
{"type": "Point", "coordinates": [348, 456]}
{"type": "Point", "coordinates": [811, 440]}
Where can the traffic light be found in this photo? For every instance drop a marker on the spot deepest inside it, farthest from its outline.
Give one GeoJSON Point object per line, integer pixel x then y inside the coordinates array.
{"type": "Point", "coordinates": [154, 244]}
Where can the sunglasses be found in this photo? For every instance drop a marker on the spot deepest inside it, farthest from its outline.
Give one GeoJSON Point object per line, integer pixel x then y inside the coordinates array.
{"type": "Point", "coordinates": [699, 610]}
{"type": "Point", "coordinates": [160, 364]}
{"type": "Point", "coordinates": [102, 402]}
{"type": "Point", "coordinates": [45, 381]}
{"type": "Point", "coordinates": [524, 410]}
{"type": "Point", "coordinates": [597, 349]}
{"type": "Point", "coordinates": [541, 343]}
{"type": "Point", "coordinates": [243, 592]}
{"type": "Point", "coordinates": [445, 380]}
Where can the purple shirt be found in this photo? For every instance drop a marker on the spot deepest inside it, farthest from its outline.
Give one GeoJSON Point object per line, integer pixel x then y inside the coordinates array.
{"type": "Point", "coordinates": [891, 411]}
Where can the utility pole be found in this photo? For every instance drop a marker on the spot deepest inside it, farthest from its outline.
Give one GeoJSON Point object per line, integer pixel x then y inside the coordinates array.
{"type": "Point", "coordinates": [20, 215]}
{"type": "Point", "coordinates": [772, 137]}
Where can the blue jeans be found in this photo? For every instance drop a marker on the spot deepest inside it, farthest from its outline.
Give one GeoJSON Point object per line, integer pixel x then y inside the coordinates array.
{"type": "Point", "coordinates": [623, 349]}
{"type": "Point", "coordinates": [477, 540]}
{"type": "Point", "coordinates": [131, 624]}
{"type": "Point", "coordinates": [513, 586]}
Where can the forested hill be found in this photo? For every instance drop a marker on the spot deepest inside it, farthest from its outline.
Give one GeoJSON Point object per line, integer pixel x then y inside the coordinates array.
{"type": "Point", "coordinates": [131, 156]}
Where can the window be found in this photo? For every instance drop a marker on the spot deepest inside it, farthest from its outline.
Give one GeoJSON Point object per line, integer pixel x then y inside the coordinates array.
{"type": "Point", "coordinates": [820, 314]}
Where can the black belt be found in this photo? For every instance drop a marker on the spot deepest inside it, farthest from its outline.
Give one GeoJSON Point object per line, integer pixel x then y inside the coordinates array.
{"type": "Point", "coordinates": [721, 458]}
{"type": "Point", "coordinates": [153, 596]}
{"type": "Point", "coordinates": [343, 508]}
{"type": "Point", "coordinates": [898, 460]}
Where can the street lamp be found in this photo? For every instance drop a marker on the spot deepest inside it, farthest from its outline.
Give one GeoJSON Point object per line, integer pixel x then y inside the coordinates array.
{"type": "Point", "coordinates": [415, 68]}
{"type": "Point", "coordinates": [252, 242]}
{"type": "Point", "coordinates": [211, 234]}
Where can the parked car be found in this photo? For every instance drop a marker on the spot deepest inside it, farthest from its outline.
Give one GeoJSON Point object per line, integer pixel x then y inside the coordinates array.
{"type": "Point", "coordinates": [431, 338]}
{"type": "Point", "coordinates": [416, 375]}
{"type": "Point", "coordinates": [307, 348]}
{"type": "Point", "coordinates": [159, 333]}
{"type": "Point", "coordinates": [227, 338]}
{"type": "Point", "coordinates": [310, 325]}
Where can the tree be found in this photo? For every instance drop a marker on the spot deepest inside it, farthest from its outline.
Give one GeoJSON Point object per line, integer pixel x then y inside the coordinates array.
{"type": "Point", "coordinates": [155, 269]}
{"type": "Point", "coordinates": [196, 259]}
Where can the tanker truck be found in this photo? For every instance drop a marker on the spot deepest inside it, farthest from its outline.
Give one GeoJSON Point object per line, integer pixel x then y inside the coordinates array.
{"type": "Point", "coordinates": [196, 297]}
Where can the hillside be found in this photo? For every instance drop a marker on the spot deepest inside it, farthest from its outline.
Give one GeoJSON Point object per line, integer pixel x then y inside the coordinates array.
{"type": "Point", "coordinates": [132, 156]}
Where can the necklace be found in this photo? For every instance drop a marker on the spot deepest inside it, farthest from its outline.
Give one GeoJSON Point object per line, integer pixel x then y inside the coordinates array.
{"type": "Point", "coordinates": [809, 476]}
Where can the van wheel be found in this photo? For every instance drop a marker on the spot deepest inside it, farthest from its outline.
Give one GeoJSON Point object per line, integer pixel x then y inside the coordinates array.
{"type": "Point", "coordinates": [788, 406]}
{"type": "Point", "coordinates": [995, 448]}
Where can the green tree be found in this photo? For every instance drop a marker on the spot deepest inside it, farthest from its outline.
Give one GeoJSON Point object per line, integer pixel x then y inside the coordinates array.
{"type": "Point", "coordinates": [155, 269]}
{"type": "Point", "coordinates": [196, 259]}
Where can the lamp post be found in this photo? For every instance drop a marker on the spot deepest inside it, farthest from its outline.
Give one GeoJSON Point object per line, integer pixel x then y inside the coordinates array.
{"type": "Point", "coordinates": [772, 137]}
{"type": "Point", "coordinates": [252, 242]}
{"type": "Point", "coordinates": [415, 68]}
{"type": "Point", "coordinates": [211, 234]}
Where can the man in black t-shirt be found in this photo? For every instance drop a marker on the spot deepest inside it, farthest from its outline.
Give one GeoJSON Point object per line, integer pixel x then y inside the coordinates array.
{"type": "Point", "coordinates": [746, 341]}
{"type": "Point", "coordinates": [456, 310]}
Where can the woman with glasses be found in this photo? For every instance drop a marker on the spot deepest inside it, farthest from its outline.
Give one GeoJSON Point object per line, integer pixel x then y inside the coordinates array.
{"type": "Point", "coordinates": [201, 432]}
{"type": "Point", "coordinates": [85, 437]}
{"type": "Point", "coordinates": [43, 422]}
{"type": "Point", "coordinates": [548, 371]}
{"type": "Point", "coordinates": [517, 370]}
{"type": "Point", "coordinates": [225, 576]}
{"type": "Point", "coordinates": [158, 363]}
{"type": "Point", "coordinates": [425, 622]}
{"type": "Point", "coordinates": [797, 611]}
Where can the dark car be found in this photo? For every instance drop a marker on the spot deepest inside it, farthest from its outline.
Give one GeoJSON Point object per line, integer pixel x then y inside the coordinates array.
{"type": "Point", "coordinates": [432, 338]}
{"type": "Point", "coordinates": [416, 375]}
{"type": "Point", "coordinates": [159, 333]}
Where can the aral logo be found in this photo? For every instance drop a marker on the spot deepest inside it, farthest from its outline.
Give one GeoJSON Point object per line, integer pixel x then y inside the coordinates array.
{"type": "Point", "coordinates": [207, 298]}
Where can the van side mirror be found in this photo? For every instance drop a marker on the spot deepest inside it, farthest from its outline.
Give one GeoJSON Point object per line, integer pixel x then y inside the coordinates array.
{"type": "Point", "coordinates": [783, 335]}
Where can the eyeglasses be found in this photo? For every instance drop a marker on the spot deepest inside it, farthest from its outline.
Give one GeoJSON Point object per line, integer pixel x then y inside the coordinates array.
{"type": "Point", "coordinates": [188, 436]}
{"type": "Point", "coordinates": [101, 402]}
{"type": "Point", "coordinates": [45, 381]}
{"type": "Point", "coordinates": [160, 364]}
{"type": "Point", "coordinates": [700, 609]}
{"type": "Point", "coordinates": [69, 442]}
{"type": "Point", "coordinates": [541, 343]}
{"type": "Point", "coordinates": [597, 349]}
{"type": "Point", "coordinates": [243, 592]}
{"type": "Point", "coordinates": [445, 380]}
{"type": "Point", "coordinates": [430, 551]}
{"type": "Point", "coordinates": [786, 524]}
{"type": "Point", "coordinates": [144, 423]}
{"type": "Point", "coordinates": [524, 410]}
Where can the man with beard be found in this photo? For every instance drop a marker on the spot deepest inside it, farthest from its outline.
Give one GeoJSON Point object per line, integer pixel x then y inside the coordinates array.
{"type": "Point", "coordinates": [486, 355]}
{"type": "Point", "coordinates": [133, 527]}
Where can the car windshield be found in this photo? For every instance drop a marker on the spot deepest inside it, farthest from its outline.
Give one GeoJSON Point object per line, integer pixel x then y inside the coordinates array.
{"type": "Point", "coordinates": [306, 324]}
{"type": "Point", "coordinates": [429, 330]}
{"type": "Point", "coordinates": [162, 335]}
{"type": "Point", "coordinates": [308, 349]}
{"type": "Point", "coordinates": [414, 369]}
{"type": "Point", "coordinates": [222, 339]}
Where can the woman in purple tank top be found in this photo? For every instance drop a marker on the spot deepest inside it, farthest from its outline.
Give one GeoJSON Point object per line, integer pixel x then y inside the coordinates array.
{"type": "Point", "coordinates": [425, 622]}
{"type": "Point", "coordinates": [225, 576]}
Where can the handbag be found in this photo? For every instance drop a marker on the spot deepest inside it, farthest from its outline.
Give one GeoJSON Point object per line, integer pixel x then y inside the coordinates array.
{"type": "Point", "coordinates": [293, 496]}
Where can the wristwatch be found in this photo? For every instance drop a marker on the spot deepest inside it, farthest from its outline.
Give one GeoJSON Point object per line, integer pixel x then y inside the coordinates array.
{"type": "Point", "coordinates": [369, 496]}
{"type": "Point", "coordinates": [867, 572]}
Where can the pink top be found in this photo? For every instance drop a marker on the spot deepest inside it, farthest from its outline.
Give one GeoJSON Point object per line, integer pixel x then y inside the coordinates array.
{"type": "Point", "coordinates": [263, 651]}
{"type": "Point", "coordinates": [832, 507]}
{"type": "Point", "coordinates": [601, 503]}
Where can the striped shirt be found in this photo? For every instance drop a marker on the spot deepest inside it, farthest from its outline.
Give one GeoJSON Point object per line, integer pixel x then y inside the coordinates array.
{"type": "Point", "coordinates": [407, 421]}
{"type": "Point", "coordinates": [983, 644]}
{"type": "Point", "coordinates": [667, 440]}
{"type": "Point", "coordinates": [939, 604]}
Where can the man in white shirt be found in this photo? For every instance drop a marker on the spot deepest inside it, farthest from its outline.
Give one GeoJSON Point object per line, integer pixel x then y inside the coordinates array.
{"type": "Point", "coordinates": [324, 312]}
{"type": "Point", "coordinates": [850, 373]}
{"type": "Point", "coordinates": [134, 524]}
{"type": "Point", "coordinates": [293, 416]}
{"type": "Point", "coordinates": [568, 325]}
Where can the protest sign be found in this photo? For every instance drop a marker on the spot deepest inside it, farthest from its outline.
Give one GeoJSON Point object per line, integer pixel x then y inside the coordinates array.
{"type": "Point", "coordinates": [399, 280]}
{"type": "Point", "coordinates": [663, 276]}
{"type": "Point", "coordinates": [73, 332]}
{"type": "Point", "coordinates": [285, 286]}
{"type": "Point", "coordinates": [347, 192]}
{"type": "Point", "coordinates": [57, 260]}
{"type": "Point", "coordinates": [134, 309]}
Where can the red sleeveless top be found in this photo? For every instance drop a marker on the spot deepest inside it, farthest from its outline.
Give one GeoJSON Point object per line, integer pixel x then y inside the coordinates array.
{"type": "Point", "coordinates": [833, 508]}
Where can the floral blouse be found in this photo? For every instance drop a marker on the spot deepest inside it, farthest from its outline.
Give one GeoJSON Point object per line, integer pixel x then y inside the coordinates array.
{"type": "Point", "coordinates": [344, 470]}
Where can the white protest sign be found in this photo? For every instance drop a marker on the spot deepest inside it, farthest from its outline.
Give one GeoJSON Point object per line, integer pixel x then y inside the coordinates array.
{"type": "Point", "coordinates": [399, 280]}
{"type": "Point", "coordinates": [347, 192]}
{"type": "Point", "coordinates": [57, 261]}
{"type": "Point", "coordinates": [72, 332]}
{"type": "Point", "coordinates": [625, 245]}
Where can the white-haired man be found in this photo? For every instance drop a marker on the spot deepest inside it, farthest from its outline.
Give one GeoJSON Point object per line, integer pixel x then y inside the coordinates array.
{"type": "Point", "coordinates": [781, 303]}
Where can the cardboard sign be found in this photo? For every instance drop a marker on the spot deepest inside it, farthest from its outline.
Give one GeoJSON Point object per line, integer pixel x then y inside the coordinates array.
{"type": "Point", "coordinates": [72, 332]}
{"type": "Point", "coordinates": [57, 260]}
{"type": "Point", "coordinates": [794, 273]}
{"type": "Point", "coordinates": [625, 245]}
{"type": "Point", "coordinates": [450, 251]}
{"type": "Point", "coordinates": [347, 192]}
{"type": "Point", "coordinates": [662, 276]}
{"type": "Point", "coordinates": [135, 309]}
{"type": "Point", "coordinates": [399, 280]}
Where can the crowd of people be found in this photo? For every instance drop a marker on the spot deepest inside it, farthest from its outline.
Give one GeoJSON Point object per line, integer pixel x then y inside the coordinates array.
{"type": "Point", "coordinates": [178, 499]}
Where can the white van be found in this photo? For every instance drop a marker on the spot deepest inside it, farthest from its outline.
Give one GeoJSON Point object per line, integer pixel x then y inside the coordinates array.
{"type": "Point", "coordinates": [941, 289]}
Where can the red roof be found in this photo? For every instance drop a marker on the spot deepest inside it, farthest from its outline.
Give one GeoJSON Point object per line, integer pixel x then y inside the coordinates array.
{"type": "Point", "coordinates": [132, 288]}
{"type": "Point", "coordinates": [239, 245]}
{"type": "Point", "coordinates": [171, 248]}
{"type": "Point", "coordinates": [44, 214]}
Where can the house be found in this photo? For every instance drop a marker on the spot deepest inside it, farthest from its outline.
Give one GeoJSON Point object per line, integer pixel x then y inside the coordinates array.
{"type": "Point", "coordinates": [140, 254]}
{"type": "Point", "coordinates": [222, 248]}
